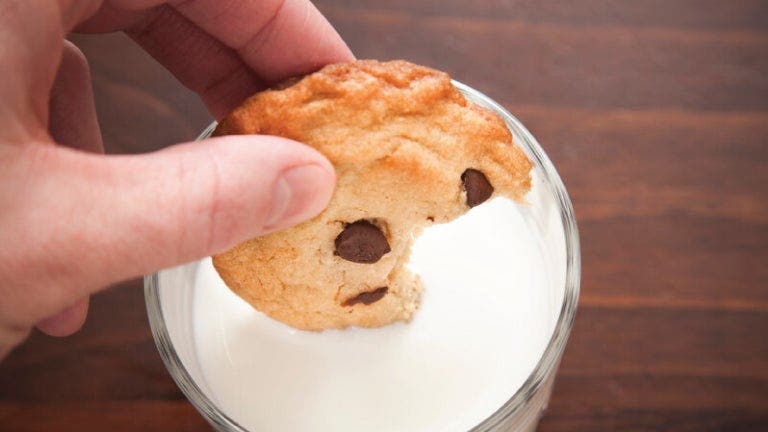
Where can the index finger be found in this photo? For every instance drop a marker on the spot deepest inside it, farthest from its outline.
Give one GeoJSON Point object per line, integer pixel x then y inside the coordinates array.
{"type": "Point", "coordinates": [225, 50]}
{"type": "Point", "coordinates": [276, 38]}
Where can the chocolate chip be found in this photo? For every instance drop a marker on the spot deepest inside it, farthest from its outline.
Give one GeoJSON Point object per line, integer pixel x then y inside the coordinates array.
{"type": "Point", "coordinates": [477, 186]}
{"type": "Point", "coordinates": [368, 297]}
{"type": "Point", "coordinates": [361, 242]}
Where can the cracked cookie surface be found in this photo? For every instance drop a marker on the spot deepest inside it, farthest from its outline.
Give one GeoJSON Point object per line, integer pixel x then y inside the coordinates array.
{"type": "Point", "coordinates": [409, 151]}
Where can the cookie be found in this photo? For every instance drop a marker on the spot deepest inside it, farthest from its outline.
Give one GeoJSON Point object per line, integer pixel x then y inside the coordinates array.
{"type": "Point", "coordinates": [409, 151]}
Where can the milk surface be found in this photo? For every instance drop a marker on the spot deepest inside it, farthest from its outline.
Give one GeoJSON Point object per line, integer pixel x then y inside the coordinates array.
{"type": "Point", "coordinates": [486, 315]}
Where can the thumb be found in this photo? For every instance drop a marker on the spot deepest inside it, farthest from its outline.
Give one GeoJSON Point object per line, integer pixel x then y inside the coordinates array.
{"type": "Point", "coordinates": [100, 219]}
{"type": "Point", "coordinates": [197, 199]}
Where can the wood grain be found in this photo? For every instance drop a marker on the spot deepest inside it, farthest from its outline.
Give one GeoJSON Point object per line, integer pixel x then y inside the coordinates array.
{"type": "Point", "coordinates": [656, 116]}
{"type": "Point", "coordinates": [114, 416]}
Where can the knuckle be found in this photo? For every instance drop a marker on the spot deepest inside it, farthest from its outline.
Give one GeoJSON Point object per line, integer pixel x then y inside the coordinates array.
{"type": "Point", "coordinates": [74, 59]}
{"type": "Point", "coordinates": [205, 210]}
{"type": "Point", "coordinates": [224, 215]}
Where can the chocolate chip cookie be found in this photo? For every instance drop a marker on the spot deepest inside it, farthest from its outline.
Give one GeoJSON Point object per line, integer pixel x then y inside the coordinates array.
{"type": "Point", "coordinates": [409, 151]}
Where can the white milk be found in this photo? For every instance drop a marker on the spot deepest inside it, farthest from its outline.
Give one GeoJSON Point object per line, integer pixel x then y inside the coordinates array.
{"type": "Point", "coordinates": [487, 313]}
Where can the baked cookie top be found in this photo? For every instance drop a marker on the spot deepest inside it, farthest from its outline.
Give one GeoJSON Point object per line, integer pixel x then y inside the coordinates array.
{"type": "Point", "coordinates": [409, 151]}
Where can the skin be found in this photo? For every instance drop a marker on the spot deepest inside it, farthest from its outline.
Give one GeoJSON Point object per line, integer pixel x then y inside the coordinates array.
{"type": "Point", "coordinates": [74, 221]}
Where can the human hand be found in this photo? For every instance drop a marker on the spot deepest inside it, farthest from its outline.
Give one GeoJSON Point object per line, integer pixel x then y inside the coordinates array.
{"type": "Point", "coordinates": [73, 221]}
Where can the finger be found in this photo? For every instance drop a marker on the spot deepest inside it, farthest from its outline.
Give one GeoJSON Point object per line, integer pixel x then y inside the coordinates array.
{"type": "Point", "coordinates": [278, 39]}
{"type": "Point", "coordinates": [31, 32]}
{"type": "Point", "coordinates": [200, 198]}
{"type": "Point", "coordinates": [123, 216]}
{"type": "Point", "coordinates": [30, 36]}
{"type": "Point", "coordinates": [66, 322]}
{"type": "Point", "coordinates": [72, 119]}
{"type": "Point", "coordinates": [225, 50]}
{"type": "Point", "coordinates": [202, 63]}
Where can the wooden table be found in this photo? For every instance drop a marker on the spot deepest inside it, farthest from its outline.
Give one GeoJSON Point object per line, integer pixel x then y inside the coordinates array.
{"type": "Point", "coordinates": [656, 115]}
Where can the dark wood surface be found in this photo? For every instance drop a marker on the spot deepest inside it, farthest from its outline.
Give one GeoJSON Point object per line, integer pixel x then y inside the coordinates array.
{"type": "Point", "coordinates": [656, 115]}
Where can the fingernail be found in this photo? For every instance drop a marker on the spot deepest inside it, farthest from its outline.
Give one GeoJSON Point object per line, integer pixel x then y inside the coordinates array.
{"type": "Point", "coordinates": [298, 194]}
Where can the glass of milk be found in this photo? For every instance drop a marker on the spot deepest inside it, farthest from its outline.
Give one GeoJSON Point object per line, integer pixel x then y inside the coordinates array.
{"type": "Point", "coordinates": [501, 288]}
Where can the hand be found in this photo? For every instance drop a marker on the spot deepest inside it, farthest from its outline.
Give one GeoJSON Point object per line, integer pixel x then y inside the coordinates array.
{"type": "Point", "coordinates": [72, 220]}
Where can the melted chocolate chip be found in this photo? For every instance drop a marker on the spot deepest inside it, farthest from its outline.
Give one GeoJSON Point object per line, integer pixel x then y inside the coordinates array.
{"type": "Point", "coordinates": [368, 297]}
{"type": "Point", "coordinates": [477, 186]}
{"type": "Point", "coordinates": [361, 242]}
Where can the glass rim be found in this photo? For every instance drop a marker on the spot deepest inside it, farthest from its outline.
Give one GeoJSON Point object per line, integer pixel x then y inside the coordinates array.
{"type": "Point", "coordinates": [531, 386]}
